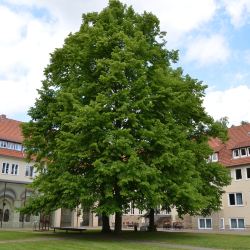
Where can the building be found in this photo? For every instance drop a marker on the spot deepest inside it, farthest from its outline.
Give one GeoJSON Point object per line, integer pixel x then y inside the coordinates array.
{"type": "Point", "coordinates": [235, 155]}
{"type": "Point", "coordinates": [15, 174]}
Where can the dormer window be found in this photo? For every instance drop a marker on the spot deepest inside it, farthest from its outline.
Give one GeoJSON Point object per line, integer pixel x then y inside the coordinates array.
{"type": "Point", "coordinates": [243, 152]}
{"type": "Point", "coordinates": [236, 153]}
{"type": "Point", "coordinates": [214, 157]}
{"type": "Point", "coordinates": [3, 144]}
{"type": "Point", "coordinates": [11, 145]}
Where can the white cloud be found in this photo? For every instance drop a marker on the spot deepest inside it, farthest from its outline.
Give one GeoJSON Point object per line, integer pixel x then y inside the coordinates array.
{"type": "Point", "coordinates": [238, 10]}
{"type": "Point", "coordinates": [15, 97]}
{"type": "Point", "coordinates": [27, 40]}
{"type": "Point", "coordinates": [178, 17]}
{"type": "Point", "coordinates": [208, 50]}
{"type": "Point", "coordinates": [233, 103]}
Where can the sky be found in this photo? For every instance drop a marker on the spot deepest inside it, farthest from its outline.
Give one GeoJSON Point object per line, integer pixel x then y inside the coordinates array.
{"type": "Point", "coordinates": [212, 36]}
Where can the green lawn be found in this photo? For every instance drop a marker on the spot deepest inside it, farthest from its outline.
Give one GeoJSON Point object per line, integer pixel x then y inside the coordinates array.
{"type": "Point", "coordinates": [18, 240]}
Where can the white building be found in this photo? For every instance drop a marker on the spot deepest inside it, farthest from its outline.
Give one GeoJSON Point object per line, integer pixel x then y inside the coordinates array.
{"type": "Point", "coordinates": [15, 174]}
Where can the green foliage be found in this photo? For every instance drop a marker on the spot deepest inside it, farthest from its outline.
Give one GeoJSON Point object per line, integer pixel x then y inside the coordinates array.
{"type": "Point", "coordinates": [115, 123]}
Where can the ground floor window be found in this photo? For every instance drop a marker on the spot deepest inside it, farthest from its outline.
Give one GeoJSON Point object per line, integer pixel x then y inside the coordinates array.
{"type": "Point", "coordinates": [222, 224]}
{"type": "Point", "coordinates": [6, 215]}
{"type": "Point", "coordinates": [205, 223]}
{"type": "Point", "coordinates": [237, 223]}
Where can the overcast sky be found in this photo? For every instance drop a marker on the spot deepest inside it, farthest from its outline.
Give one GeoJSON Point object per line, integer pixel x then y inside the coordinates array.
{"type": "Point", "coordinates": [213, 37]}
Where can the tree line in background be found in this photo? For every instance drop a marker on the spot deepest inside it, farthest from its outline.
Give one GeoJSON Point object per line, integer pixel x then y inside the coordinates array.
{"type": "Point", "coordinates": [116, 123]}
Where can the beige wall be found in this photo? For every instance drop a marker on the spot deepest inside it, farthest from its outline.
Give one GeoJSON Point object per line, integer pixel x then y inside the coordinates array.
{"type": "Point", "coordinates": [228, 211]}
{"type": "Point", "coordinates": [21, 169]}
{"type": "Point", "coordinates": [237, 186]}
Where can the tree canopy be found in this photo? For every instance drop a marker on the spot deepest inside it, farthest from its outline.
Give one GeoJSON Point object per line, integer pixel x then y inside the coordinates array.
{"type": "Point", "coordinates": [115, 123]}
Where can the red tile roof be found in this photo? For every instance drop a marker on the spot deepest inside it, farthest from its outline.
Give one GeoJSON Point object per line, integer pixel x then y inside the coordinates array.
{"type": "Point", "coordinates": [10, 130]}
{"type": "Point", "coordinates": [239, 136]}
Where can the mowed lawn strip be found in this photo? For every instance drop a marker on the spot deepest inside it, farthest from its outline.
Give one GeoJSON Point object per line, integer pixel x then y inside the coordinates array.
{"type": "Point", "coordinates": [125, 240]}
{"type": "Point", "coordinates": [82, 245]}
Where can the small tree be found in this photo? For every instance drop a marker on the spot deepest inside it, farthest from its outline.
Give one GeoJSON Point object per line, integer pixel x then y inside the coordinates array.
{"type": "Point", "coordinates": [116, 123]}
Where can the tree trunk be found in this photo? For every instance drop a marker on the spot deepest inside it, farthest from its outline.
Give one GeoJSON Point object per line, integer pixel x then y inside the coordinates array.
{"type": "Point", "coordinates": [118, 222]}
{"type": "Point", "coordinates": [151, 226]}
{"type": "Point", "coordinates": [105, 224]}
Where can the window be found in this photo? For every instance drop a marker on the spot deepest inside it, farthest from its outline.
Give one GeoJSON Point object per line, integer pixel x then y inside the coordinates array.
{"type": "Point", "coordinates": [21, 217]}
{"type": "Point", "coordinates": [3, 144]}
{"type": "Point", "coordinates": [18, 147]}
{"type": "Point", "coordinates": [29, 171]}
{"type": "Point", "coordinates": [132, 208]}
{"type": "Point", "coordinates": [235, 199]}
{"type": "Point", "coordinates": [205, 223]}
{"type": "Point", "coordinates": [238, 174]}
{"type": "Point", "coordinates": [11, 145]}
{"type": "Point", "coordinates": [6, 215]}
{"type": "Point", "coordinates": [248, 173]}
{"type": "Point", "coordinates": [243, 152]}
{"type": "Point", "coordinates": [5, 168]}
{"type": "Point", "coordinates": [14, 169]}
{"type": "Point", "coordinates": [214, 157]}
{"type": "Point", "coordinates": [27, 218]}
{"type": "Point", "coordinates": [237, 223]}
{"type": "Point", "coordinates": [222, 225]}
{"type": "Point", "coordinates": [236, 153]}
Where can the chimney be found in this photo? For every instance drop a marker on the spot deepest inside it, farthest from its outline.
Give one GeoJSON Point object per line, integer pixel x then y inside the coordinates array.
{"type": "Point", "coordinates": [2, 117]}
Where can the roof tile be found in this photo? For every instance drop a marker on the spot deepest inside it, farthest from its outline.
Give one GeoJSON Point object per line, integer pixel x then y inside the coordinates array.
{"type": "Point", "coordinates": [239, 136]}
{"type": "Point", "coordinates": [10, 130]}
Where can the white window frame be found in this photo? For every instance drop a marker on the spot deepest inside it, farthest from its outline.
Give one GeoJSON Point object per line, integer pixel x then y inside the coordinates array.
{"type": "Point", "coordinates": [14, 169]}
{"type": "Point", "coordinates": [205, 220]}
{"type": "Point", "coordinates": [214, 157]}
{"type": "Point", "coordinates": [222, 222]}
{"type": "Point", "coordinates": [234, 155]}
{"type": "Point", "coordinates": [235, 205]}
{"type": "Point", "coordinates": [5, 168]}
{"type": "Point", "coordinates": [237, 222]}
{"type": "Point", "coordinates": [3, 144]}
{"type": "Point", "coordinates": [241, 155]}
{"type": "Point", "coordinates": [28, 172]}
{"type": "Point", "coordinates": [241, 170]}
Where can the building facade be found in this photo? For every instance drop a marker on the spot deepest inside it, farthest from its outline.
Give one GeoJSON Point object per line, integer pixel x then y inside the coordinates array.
{"type": "Point", "coordinates": [235, 155]}
{"type": "Point", "coordinates": [16, 174]}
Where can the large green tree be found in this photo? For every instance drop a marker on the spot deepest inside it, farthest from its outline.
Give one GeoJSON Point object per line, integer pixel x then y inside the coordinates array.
{"type": "Point", "coordinates": [115, 123]}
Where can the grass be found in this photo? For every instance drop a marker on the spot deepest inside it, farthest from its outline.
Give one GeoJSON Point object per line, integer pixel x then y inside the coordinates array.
{"type": "Point", "coordinates": [94, 240]}
{"type": "Point", "coordinates": [80, 245]}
